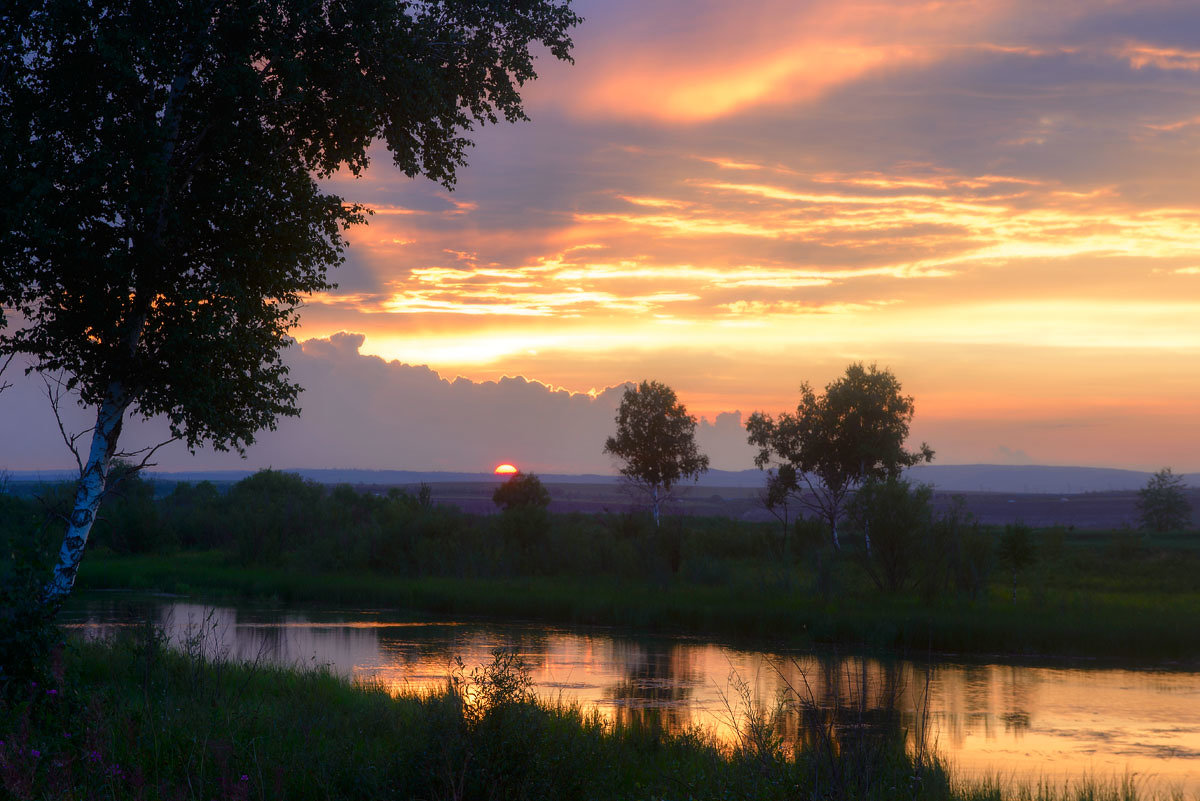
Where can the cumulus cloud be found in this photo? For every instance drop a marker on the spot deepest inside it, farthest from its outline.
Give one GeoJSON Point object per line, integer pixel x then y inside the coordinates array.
{"type": "Point", "coordinates": [359, 411]}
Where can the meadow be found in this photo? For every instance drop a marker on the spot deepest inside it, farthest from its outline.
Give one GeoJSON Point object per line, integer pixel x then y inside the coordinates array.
{"type": "Point", "coordinates": [1119, 593]}
{"type": "Point", "coordinates": [133, 718]}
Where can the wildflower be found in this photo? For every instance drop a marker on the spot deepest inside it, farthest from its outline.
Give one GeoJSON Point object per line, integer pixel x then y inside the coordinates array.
{"type": "Point", "coordinates": [51, 692]}
{"type": "Point", "coordinates": [245, 778]}
{"type": "Point", "coordinates": [33, 752]}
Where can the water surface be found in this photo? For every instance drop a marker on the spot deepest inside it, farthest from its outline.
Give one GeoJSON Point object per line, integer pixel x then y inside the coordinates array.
{"type": "Point", "coordinates": [1018, 720]}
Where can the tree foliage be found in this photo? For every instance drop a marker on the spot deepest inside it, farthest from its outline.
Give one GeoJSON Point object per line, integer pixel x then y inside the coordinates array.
{"type": "Point", "coordinates": [1015, 551]}
{"type": "Point", "coordinates": [165, 157]}
{"type": "Point", "coordinates": [521, 490]}
{"type": "Point", "coordinates": [834, 442]}
{"type": "Point", "coordinates": [900, 519]}
{"type": "Point", "coordinates": [161, 158]}
{"type": "Point", "coordinates": [656, 439]}
{"type": "Point", "coordinates": [1163, 504]}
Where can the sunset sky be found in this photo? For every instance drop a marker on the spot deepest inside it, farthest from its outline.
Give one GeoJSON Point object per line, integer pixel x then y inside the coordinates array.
{"type": "Point", "coordinates": [997, 200]}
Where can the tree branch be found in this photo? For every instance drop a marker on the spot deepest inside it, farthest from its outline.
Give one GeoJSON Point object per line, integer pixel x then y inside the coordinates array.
{"type": "Point", "coordinates": [5, 384]}
{"type": "Point", "coordinates": [147, 453]}
{"type": "Point", "coordinates": [54, 390]}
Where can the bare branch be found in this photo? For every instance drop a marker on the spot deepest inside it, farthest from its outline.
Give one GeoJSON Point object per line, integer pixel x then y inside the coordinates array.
{"type": "Point", "coordinates": [5, 384]}
{"type": "Point", "coordinates": [54, 390]}
{"type": "Point", "coordinates": [52, 508]}
{"type": "Point", "coordinates": [147, 453]}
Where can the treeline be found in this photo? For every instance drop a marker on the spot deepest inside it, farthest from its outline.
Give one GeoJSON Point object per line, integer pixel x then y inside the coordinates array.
{"type": "Point", "coordinates": [893, 541]}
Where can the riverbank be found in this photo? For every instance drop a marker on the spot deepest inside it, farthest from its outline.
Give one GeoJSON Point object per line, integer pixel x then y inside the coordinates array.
{"type": "Point", "coordinates": [1101, 622]}
{"type": "Point", "coordinates": [135, 719]}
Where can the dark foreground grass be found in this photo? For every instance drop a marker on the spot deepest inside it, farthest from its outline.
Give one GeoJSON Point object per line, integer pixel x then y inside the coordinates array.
{"type": "Point", "coordinates": [1098, 621]}
{"type": "Point", "coordinates": [134, 720]}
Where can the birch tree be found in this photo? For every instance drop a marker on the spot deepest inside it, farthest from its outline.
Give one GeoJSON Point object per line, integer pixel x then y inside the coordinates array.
{"type": "Point", "coordinates": [163, 218]}
{"type": "Point", "coordinates": [834, 442]}
{"type": "Point", "coordinates": [656, 439]}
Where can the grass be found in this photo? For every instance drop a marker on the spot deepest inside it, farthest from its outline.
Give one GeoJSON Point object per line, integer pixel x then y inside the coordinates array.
{"type": "Point", "coordinates": [132, 719]}
{"type": "Point", "coordinates": [1102, 618]}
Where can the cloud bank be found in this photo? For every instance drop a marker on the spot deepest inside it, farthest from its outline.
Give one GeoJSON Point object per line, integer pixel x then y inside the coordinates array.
{"type": "Point", "coordinates": [359, 411]}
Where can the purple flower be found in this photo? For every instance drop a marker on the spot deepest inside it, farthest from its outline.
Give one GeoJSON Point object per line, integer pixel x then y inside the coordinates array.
{"type": "Point", "coordinates": [33, 752]}
{"type": "Point", "coordinates": [51, 692]}
{"type": "Point", "coordinates": [245, 778]}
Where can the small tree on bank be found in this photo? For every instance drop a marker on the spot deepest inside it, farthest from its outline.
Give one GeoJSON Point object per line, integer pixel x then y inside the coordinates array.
{"type": "Point", "coordinates": [521, 490]}
{"type": "Point", "coordinates": [853, 433]}
{"type": "Point", "coordinates": [1015, 551]}
{"type": "Point", "coordinates": [1163, 504]}
{"type": "Point", "coordinates": [163, 220]}
{"type": "Point", "coordinates": [656, 439]}
{"type": "Point", "coordinates": [524, 522]}
{"type": "Point", "coordinates": [900, 517]}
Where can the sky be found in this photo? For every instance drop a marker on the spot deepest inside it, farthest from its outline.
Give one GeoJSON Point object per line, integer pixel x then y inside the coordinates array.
{"type": "Point", "coordinates": [995, 200]}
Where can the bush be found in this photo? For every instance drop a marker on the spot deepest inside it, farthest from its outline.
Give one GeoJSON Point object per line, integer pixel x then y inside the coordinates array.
{"type": "Point", "coordinates": [27, 631]}
{"type": "Point", "coordinates": [520, 491]}
{"type": "Point", "coordinates": [896, 520]}
{"type": "Point", "coordinates": [271, 513]}
{"type": "Point", "coordinates": [1015, 551]}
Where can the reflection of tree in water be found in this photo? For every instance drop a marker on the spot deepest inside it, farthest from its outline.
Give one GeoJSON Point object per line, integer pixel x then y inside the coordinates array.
{"type": "Point", "coordinates": [853, 708]}
{"type": "Point", "coordinates": [1019, 697]}
{"type": "Point", "coordinates": [655, 688]}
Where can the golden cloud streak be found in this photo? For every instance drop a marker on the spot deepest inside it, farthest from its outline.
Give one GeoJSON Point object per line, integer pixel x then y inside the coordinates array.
{"type": "Point", "coordinates": [1141, 56]}
{"type": "Point", "coordinates": [870, 229]}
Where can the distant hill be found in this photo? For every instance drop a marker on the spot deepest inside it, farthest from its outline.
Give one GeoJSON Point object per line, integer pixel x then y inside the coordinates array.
{"type": "Point", "coordinates": [946, 478]}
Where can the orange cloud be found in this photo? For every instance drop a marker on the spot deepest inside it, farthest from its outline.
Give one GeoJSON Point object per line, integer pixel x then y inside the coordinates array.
{"type": "Point", "coordinates": [1141, 56]}
{"type": "Point", "coordinates": [726, 60]}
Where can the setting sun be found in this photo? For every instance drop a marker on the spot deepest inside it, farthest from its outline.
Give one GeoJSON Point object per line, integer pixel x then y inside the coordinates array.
{"type": "Point", "coordinates": [505, 470]}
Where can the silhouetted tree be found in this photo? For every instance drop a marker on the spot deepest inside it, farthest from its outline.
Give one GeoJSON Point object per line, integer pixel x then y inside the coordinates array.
{"type": "Point", "coordinates": [163, 218]}
{"type": "Point", "coordinates": [1163, 504]}
{"type": "Point", "coordinates": [521, 490]}
{"type": "Point", "coordinates": [834, 442]}
{"type": "Point", "coordinates": [1015, 551]}
{"type": "Point", "coordinates": [656, 439]}
{"type": "Point", "coordinates": [524, 523]}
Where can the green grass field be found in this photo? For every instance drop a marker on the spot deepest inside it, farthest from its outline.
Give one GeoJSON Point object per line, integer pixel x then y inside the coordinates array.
{"type": "Point", "coordinates": [1082, 607]}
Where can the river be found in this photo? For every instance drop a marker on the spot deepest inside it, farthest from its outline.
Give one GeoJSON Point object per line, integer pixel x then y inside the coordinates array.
{"type": "Point", "coordinates": [1023, 721]}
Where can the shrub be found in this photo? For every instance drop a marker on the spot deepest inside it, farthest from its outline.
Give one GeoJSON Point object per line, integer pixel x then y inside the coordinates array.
{"type": "Point", "coordinates": [521, 490]}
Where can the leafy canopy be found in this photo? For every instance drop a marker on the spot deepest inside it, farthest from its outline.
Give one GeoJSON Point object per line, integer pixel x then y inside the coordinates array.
{"type": "Point", "coordinates": [161, 158]}
{"type": "Point", "coordinates": [520, 491]}
{"type": "Point", "coordinates": [899, 518]}
{"type": "Point", "coordinates": [656, 438]}
{"type": "Point", "coordinates": [1163, 504]}
{"type": "Point", "coordinates": [853, 433]}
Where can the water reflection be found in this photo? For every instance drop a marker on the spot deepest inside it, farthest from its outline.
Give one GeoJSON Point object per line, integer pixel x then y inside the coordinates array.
{"type": "Point", "coordinates": [1015, 720]}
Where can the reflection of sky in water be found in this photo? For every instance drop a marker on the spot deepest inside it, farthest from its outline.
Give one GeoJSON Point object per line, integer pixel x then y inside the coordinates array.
{"type": "Point", "coordinates": [1007, 719]}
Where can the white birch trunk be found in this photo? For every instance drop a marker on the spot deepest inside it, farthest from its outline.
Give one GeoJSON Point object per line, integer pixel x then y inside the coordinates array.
{"type": "Point", "coordinates": [88, 493]}
{"type": "Point", "coordinates": [837, 545]}
{"type": "Point", "coordinates": [654, 495]}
